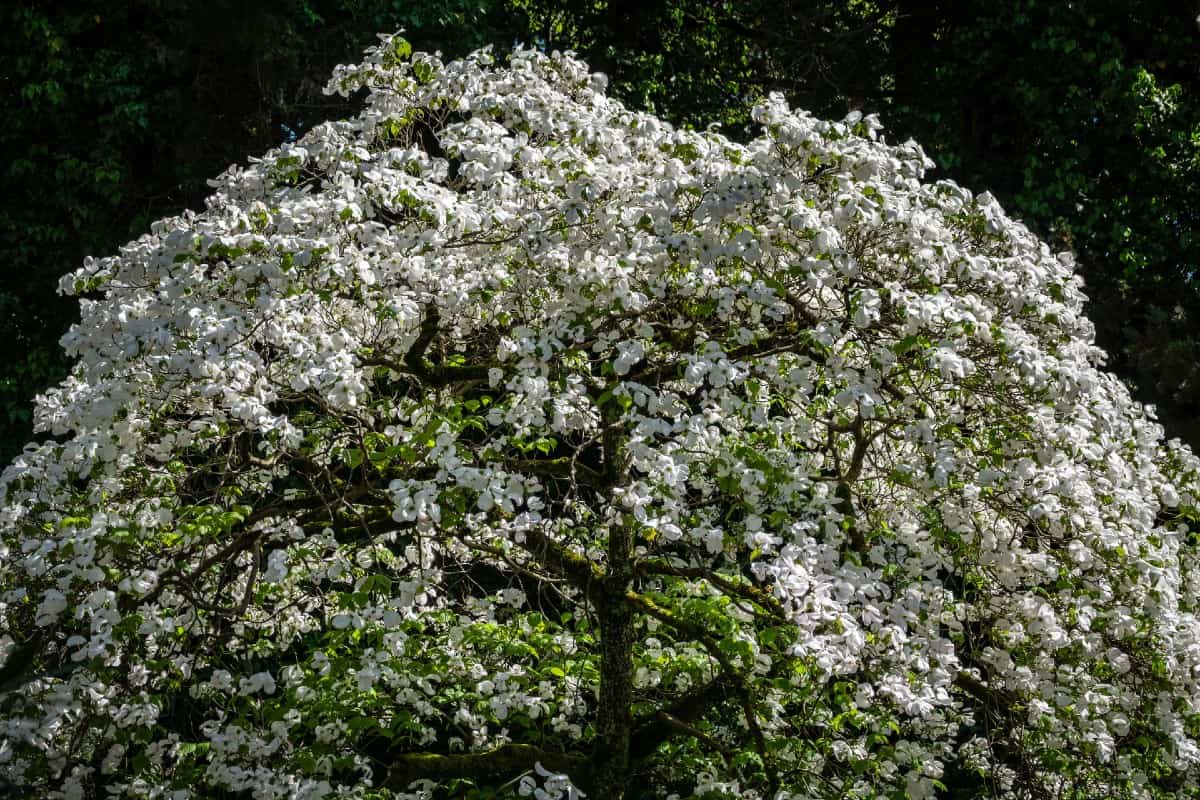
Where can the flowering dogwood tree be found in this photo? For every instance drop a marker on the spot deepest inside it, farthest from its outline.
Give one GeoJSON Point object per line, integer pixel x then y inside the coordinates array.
{"type": "Point", "coordinates": [501, 441]}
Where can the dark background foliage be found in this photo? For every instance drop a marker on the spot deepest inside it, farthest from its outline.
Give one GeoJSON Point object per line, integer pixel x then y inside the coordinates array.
{"type": "Point", "coordinates": [1083, 117]}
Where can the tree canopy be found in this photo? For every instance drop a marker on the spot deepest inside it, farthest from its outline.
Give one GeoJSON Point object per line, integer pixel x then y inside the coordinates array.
{"type": "Point", "coordinates": [500, 439]}
{"type": "Point", "coordinates": [1083, 118]}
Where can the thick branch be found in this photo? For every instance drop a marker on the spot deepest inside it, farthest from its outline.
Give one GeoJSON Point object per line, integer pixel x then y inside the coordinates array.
{"type": "Point", "coordinates": [689, 629]}
{"type": "Point", "coordinates": [783, 342]}
{"type": "Point", "coordinates": [430, 374]}
{"type": "Point", "coordinates": [769, 604]}
{"type": "Point", "coordinates": [845, 493]}
{"type": "Point", "coordinates": [654, 729]}
{"type": "Point", "coordinates": [15, 669]}
{"type": "Point", "coordinates": [674, 725]}
{"type": "Point", "coordinates": [503, 763]}
{"type": "Point", "coordinates": [250, 535]}
{"type": "Point", "coordinates": [415, 357]}
{"type": "Point", "coordinates": [995, 699]}
{"type": "Point", "coordinates": [416, 364]}
{"type": "Point", "coordinates": [560, 560]}
{"type": "Point", "coordinates": [561, 468]}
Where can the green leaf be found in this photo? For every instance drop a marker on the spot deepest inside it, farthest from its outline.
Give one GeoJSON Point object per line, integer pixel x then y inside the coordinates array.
{"type": "Point", "coordinates": [422, 71]}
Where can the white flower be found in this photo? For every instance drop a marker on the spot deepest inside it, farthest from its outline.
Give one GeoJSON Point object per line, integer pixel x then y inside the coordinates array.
{"type": "Point", "coordinates": [256, 683]}
{"type": "Point", "coordinates": [628, 354]}
{"type": "Point", "coordinates": [53, 604]}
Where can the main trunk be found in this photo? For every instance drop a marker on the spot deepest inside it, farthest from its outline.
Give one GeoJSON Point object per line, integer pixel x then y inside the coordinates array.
{"type": "Point", "coordinates": [614, 724]}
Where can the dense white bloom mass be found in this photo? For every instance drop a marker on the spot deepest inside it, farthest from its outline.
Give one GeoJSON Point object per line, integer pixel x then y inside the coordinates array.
{"type": "Point", "coordinates": [501, 441]}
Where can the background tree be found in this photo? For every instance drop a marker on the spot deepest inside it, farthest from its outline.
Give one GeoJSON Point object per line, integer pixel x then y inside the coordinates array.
{"type": "Point", "coordinates": [1085, 118]}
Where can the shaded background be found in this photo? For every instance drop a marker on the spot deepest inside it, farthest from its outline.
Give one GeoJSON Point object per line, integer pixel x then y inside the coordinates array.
{"type": "Point", "coordinates": [1083, 117]}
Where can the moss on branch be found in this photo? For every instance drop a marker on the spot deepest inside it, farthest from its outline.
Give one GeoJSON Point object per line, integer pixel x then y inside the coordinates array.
{"type": "Point", "coordinates": [502, 763]}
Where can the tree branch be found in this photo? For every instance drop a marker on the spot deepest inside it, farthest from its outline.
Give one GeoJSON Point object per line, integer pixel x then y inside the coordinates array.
{"type": "Point", "coordinates": [654, 729]}
{"type": "Point", "coordinates": [502, 763]}
{"type": "Point", "coordinates": [770, 605]}
{"type": "Point", "coordinates": [560, 560]}
{"type": "Point", "coordinates": [416, 364]}
{"type": "Point", "coordinates": [20, 659]}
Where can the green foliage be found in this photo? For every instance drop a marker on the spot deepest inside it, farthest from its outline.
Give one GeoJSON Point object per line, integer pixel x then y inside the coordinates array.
{"type": "Point", "coordinates": [700, 62]}
{"type": "Point", "coordinates": [1084, 119]}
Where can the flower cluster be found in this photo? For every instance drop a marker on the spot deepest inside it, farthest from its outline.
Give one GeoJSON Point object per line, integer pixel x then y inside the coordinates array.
{"type": "Point", "coordinates": [503, 437]}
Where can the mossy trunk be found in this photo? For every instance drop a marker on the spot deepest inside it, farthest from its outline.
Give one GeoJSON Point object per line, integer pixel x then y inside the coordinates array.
{"type": "Point", "coordinates": [614, 725]}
